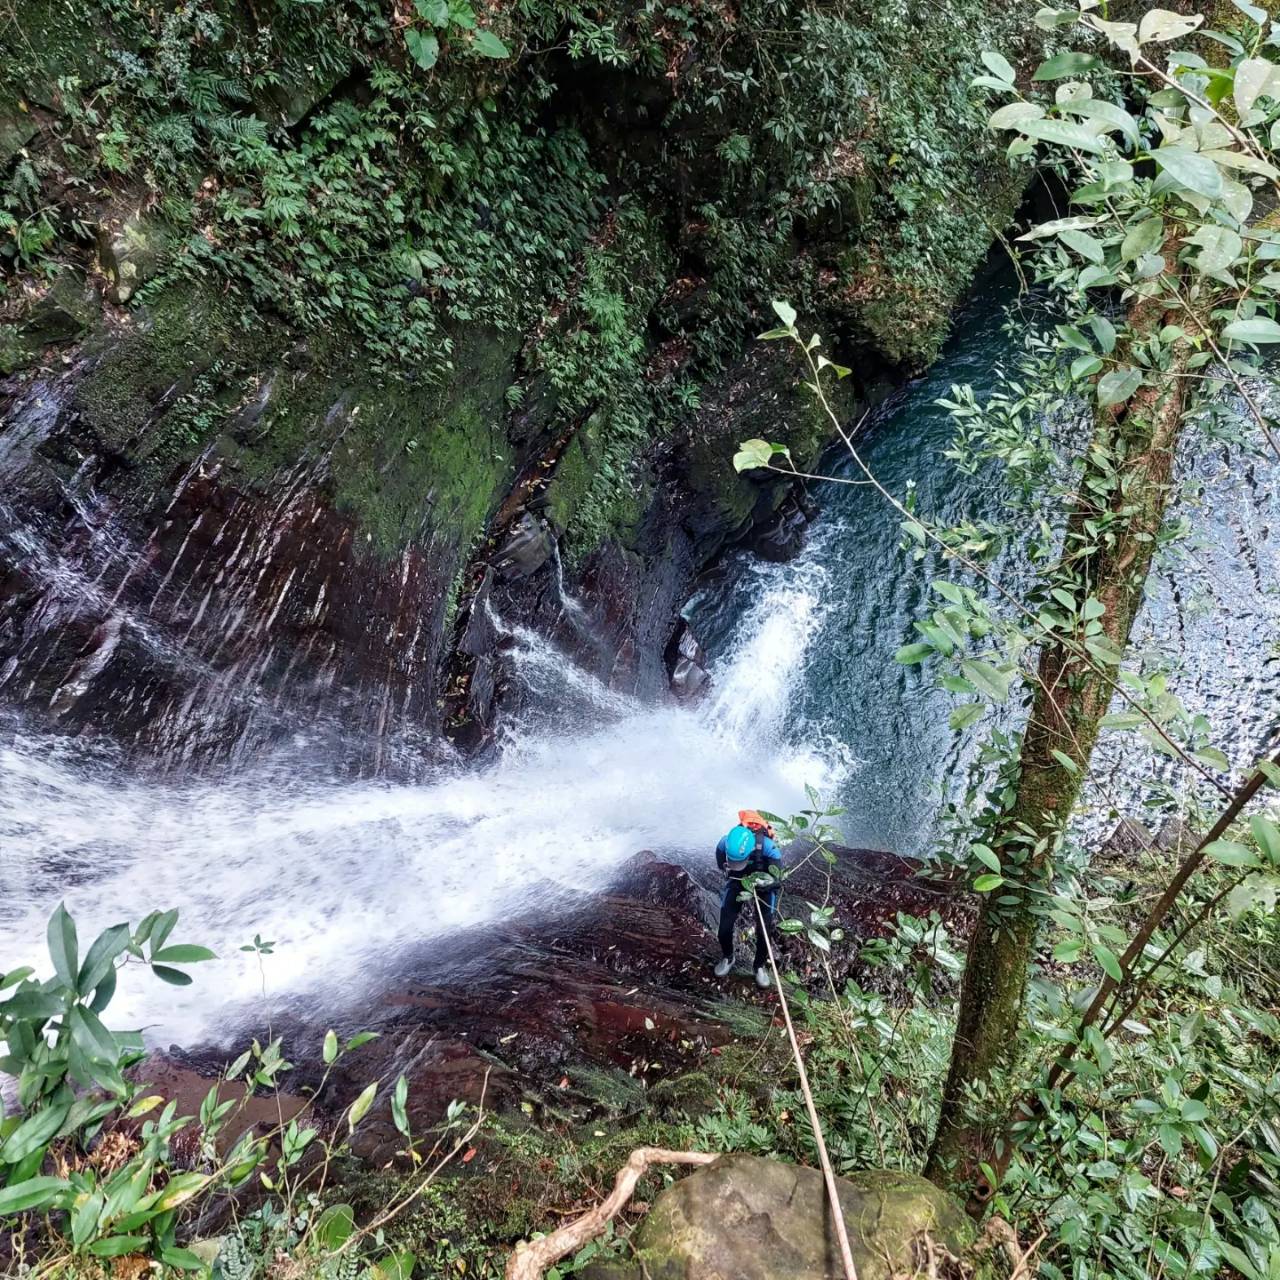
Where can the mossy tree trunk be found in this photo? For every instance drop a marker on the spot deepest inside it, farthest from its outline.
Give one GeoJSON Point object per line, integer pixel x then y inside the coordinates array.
{"type": "Point", "coordinates": [1111, 535]}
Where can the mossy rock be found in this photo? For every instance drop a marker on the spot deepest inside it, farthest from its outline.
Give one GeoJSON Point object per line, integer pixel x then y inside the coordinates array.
{"type": "Point", "coordinates": [692, 1096]}
{"type": "Point", "coordinates": [745, 1218]}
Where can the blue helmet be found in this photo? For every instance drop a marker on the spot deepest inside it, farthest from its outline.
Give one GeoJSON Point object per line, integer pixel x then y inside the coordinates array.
{"type": "Point", "coordinates": [740, 844]}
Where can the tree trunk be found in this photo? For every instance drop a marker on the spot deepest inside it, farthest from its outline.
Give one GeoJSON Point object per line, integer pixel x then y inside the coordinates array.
{"type": "Point", "coordinates": [1130, 457]}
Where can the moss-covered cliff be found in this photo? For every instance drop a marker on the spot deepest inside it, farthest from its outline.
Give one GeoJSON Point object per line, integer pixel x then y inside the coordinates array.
{"type": "Point", "coordinates": [428, 265]}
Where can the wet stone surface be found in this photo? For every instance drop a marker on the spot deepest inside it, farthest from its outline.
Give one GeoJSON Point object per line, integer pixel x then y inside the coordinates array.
{"type": "Point", "coordinates": [589, 1011]}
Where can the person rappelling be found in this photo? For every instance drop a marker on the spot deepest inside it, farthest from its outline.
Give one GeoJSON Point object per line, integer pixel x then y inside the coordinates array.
{"type": "Point", "coordinates": [747, 850]}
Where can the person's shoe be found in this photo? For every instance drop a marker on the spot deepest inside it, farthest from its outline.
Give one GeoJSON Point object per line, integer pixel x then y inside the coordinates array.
{"type": "Point", "coordinates": [724, 966]}
{"type": "Point", "coordinates": [763, 980]}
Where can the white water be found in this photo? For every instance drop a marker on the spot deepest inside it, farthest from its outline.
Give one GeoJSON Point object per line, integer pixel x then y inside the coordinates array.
{"type": "Point", "coordinates": [345, 876]}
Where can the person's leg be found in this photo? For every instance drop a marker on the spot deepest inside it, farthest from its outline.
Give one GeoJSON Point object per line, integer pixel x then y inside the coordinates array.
{"type": "Point", "coordinates": [764, 908]}
{"type": "Point", "coordinates": [729, 907]}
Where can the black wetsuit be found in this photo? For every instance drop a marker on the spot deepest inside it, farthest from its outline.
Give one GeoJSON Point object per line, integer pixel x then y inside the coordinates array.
{"type": "Point", "coordinates": [766, 856]}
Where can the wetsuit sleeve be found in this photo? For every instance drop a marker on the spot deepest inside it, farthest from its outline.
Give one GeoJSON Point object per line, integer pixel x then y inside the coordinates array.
{"type": "Point", "coordinates": [720, 854]}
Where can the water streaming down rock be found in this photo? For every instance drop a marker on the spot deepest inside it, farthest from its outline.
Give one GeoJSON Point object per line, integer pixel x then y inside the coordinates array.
{"type": "Point", "coordinates": [350, 877]}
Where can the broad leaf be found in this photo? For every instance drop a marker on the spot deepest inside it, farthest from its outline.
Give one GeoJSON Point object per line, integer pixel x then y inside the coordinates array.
{"type": "Point", "coordinates": [63, 947]}
{"type": "Point", "coordinates": [102, 956]}
{"type": "Point", "coordinates": [1070, 63]}
{"type": "Point", "coordinates": [1064, 134]}
{"type": "Point", "coordinates": [360, 1107]}
{"type": "Point", "coordinates": [1259, 330]}
{"type": "Point", "coordinates": [1146, 237]}
{"type": "Point", "coordinates": [987, 678]}
{"type": "Point", "coordinates": [1117, 385]}
{"type": "Point", "coordinates": [1013, 113]}
{"type": "Point", "coordinates": [32, 1193]}
{"type": "Point", "coordinates": [1190, 170]}
{"type": "Point", "coordinates": [998, 65]}
{"type": "Point", "coordinates": [1254, 77]}
{"type": "Point", "coordinates": [423, 46]}
{"type": "Point", "coordinates": [1162, 25]}
{"type": "Point", "coordinates": [487, 45]}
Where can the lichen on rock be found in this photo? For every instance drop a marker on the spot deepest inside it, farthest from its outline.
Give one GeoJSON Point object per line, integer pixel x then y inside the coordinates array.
{"type": "Point", "coordinates": [747, 1218]}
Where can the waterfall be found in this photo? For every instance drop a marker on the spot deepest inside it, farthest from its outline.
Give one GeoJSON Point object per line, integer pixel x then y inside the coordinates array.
{"type": "Point", "coordinates": [346, 876]}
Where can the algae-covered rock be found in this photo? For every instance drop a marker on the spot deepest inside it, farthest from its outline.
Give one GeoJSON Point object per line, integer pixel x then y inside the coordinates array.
{"type": "Point", "coordinates": [132, 249]}
{"type": "Point", "coordinates": [744, 1218]}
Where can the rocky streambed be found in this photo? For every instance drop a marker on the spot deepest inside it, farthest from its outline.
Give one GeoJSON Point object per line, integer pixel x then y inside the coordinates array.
{"type": "Point", "coordinates": [605, 1009]}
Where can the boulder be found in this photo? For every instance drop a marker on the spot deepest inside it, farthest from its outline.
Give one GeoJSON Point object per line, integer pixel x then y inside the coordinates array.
{"type": "Point", "coordinates": [688, 670]}
{"type": "Point", "coordinates": [746, 1218]}
{"type": "Point", "coordinates": [131, 250]}
{"type": "Point", "coordinates": [528, 547]}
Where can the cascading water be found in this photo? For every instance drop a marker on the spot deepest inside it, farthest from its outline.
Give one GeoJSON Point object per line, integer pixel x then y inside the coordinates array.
{"type": "Point", "coordinates": [345, 876]}
{"type": "Point", "coordinates": [348, 877]}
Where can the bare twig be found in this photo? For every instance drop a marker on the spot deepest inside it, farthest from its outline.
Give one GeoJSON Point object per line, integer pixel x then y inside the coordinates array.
{"type": "Point", "coordinates": [533, 1257]}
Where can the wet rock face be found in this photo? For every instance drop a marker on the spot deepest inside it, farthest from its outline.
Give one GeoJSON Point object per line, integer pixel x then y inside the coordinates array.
{"type": "Point", "coordinates": [689, 676]}
{"type": "Point", "coordinates": [745, 1218]}
{"type": "Point", "coordinates": [528, 547]}
{"type": "Point", "coordinates": [606, 1006]}
{"type": "Point", "coordinates": [199, 605]}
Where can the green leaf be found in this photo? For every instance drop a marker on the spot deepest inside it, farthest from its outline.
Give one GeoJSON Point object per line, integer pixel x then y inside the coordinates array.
{"type": "Point", "coordinates": [182, 1259]}
{"type": "Point", "coordinates": [163, 927]}
{"type": "Point", "coordinates": [1107, 113]}
{"type": "Point", "coordinates": [63, 946]}
{"type": "Point", "coordinates": [753, 454]}
{"type": "Point", "coordinates": [1062, 65]}
{"type": "Point", "coordinates": [334, 1227]}
{"type": "Point", "coordinates": [1013, 114]}
{"type": "Point", "coordinates": [31, 1193]}
{"type": "Point", "coordinates": [910, 654]}
{"type": "Point", "coordinates": [487, 45]}
{"type": "Point", "coordinates": [395, 1266]}
{"type": "Point", "coordinates": [1257, 330]}
{"type": "Point", "coordinates": [1232, 854]}
{"type": "Point", "coordinates": [117, 1246]}
{"type": "Point", "coordinates": [93, 1038]}
{"type": "Point", "coordinates": [987, 856]}
{"type": "Point", "coordinates": [183, 953]}
{"type": "Point", "coordinates": [987, 678]}
{"type": "Point", "coordinates": [1162, 25]}
{"type": "Point", "coordinates": [786, 313]}
{"type": "Point", "coordinates": [998, 65]}
{"type": "Point", "coordinates": [423, 46]}
{"type": "Point", "coordinates": [399, 1098]}
{"type": "Point", "coordinates": [1065, 760]}
{"type": "Point", "coordinates": [361, 1037]}
{"type": "Point", "coordinates": [34, 1131]}
{"type": "Point", "coordinates": [1108, 960]}
{"type": "Point", "coordinates": [436, 12]}
{"type": "Point", "coordinates": [1190, 170]}
{"type": "Point", "coordinates": [102, 957]}
{"type": "Point", "coordinates": [1254, 77]}
{"type": "Point", "coordinates": [330, 1052]}
{"type": "Point", "coordinates": [1085, 366]}
{"type": "Point", "coordinates": [984, 884]}
{"type": "Point", "coordinates": [1105, 332]}
{"type": "Point", "coordinates": [1117, 385]}
{"type": "Point", "coordinates": [965, 714]}
{"type": "Point", "coordinates": [1064, 134]}
{"type": "Point", "coordinates": [1084, 244]}
{"type": "Point", "coordinates": [1219, 248]}
{"type": "Point", "coordinates": [1267, 835]}
{"type": "Point", "coordinates": [360, 1107]}
{"type": "Point", "coordinates": [174, 977]}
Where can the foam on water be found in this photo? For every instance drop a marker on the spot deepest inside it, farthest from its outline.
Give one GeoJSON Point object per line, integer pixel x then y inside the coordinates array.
{"type": "Point", "coordinates": [345, 876]}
